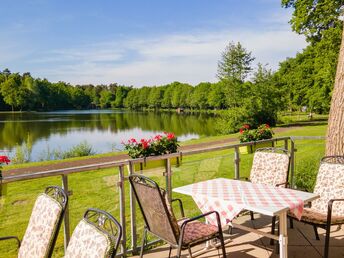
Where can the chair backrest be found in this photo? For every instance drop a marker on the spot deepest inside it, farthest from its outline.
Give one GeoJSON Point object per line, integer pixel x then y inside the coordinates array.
{"type": "Point", "coordinates": [330, 185]}
{"type": "Point", "coordinates": [270, 166]}
{"type": "Point", "coordinates": [98, 234]}
{"type": "Point", "coordinates": [155, 208]}
{"type": "Point", "coordinates": [44, 224]}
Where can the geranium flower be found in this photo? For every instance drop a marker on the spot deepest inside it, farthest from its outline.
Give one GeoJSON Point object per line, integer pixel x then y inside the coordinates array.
{"type": "Point", "coordinates": [4, 159]}
{"type": "Point", "coordinates": [246, 126]}
{"type": "Point", "coordinates": [241, 130]}
{"type": "Point", "coordinates": [170, 136]}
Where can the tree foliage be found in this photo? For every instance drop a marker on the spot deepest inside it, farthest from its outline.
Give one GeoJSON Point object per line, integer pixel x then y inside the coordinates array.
{"type": "Point", "coordinates": [235, 63]}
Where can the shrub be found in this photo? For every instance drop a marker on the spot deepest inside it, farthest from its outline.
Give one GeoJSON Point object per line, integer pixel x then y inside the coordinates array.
{"type": "Point", "coordinates": [80, 150]}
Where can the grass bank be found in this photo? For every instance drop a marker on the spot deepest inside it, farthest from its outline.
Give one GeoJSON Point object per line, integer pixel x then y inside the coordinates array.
{"type": "Point", "coordinates": [98, 188]}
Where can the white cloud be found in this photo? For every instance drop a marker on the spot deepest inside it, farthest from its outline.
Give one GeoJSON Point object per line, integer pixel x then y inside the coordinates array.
{"type": "Point", "coordinates": [189, 57]}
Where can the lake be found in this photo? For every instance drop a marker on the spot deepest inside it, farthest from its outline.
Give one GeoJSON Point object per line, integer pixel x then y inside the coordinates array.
{"type": "Point", "coordinates": [103, 129]}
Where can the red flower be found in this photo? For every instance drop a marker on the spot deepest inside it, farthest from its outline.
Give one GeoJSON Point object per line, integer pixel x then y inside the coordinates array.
{"type": "Point", "coordinates": [4, 159]}
{"type": "Point", "coordinates": [170, 136]}
{"type": "Point", "coordinates": [267, 126]}
{"type": "Point", "coordinates": [246, 126]}
{"type": "Point", "coordinates": [241, 130]}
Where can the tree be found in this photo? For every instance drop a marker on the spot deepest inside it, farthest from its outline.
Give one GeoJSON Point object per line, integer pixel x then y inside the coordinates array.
{"type": "Point", "coordinates": [314, 19]}
{"type": "Point", "coordinates": [235, 63]}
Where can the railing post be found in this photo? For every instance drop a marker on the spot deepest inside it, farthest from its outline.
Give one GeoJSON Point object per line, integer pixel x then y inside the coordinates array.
{"type": "Point", "coordinates": [122, 210]}
{"type": "Point", "coordinates": [286, 144]}
{"type": "Point", "coordinates": [66, 214]}
{"type": "Point", "coordinates": [168, 177]}
{"type": "Point", "coordinates": [131, 170]}
{"type": "Point", "coordinates": [237, 163]}
{"type": "Point", "coordinates": [292, 162]}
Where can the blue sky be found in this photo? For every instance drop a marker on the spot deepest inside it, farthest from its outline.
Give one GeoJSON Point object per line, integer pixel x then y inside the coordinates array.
{"type": "Point", "coordinates": [139, 42]}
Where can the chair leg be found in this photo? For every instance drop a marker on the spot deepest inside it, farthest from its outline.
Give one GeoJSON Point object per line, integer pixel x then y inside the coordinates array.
{"type": "Point", "coordinates": [316, 232]}
{"type": "Point", "coordinates": [179, 251]}
{"type": "Point", "coordinates": [223, 245]}
{"type": "Point", "coordinates": [327, 241]}
{"type": "Point", "coordinates": [252, 215]}
{"type": "Point", "coordinates": [291, 222]}
{"type": "Point", "coordinates": [190, 253]}
{"type": "Point", "coordinates": [143, 241]}
{"type": "Point", "coordinates": [169, 252]}
{"type": "Point", "coordinates": [273, 225]}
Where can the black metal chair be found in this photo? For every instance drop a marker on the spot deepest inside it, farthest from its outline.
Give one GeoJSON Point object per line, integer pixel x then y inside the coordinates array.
{"type": "Point", "coordinates": [328, 210]}
{"type": "Point", "coordinates": [161, 222]}
{"type": "Point", "coordinates": [98, 233]}
{"type": "Point", "coordinates": [45, 221]}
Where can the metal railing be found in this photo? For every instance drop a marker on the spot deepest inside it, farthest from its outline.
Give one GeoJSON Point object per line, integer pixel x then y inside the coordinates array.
{"type": "Point", "coordinates": [288, 143]}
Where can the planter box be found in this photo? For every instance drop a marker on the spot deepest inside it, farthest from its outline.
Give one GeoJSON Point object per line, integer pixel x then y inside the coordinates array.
{"type": "Point", "coordinates": [150, 164]}
{"type": "Point", "coordinates": [252, 148]}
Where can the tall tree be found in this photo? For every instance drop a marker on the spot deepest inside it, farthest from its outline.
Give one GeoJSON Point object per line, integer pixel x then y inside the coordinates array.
{"type": "Point", "coordinates": [313, 19]}
{"type": "Point", "coordinates": [235, 63]}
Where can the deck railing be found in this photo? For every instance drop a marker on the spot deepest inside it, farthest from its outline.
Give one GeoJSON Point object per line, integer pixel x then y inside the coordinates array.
{"type": "Point", "coordinates": [288, 143]}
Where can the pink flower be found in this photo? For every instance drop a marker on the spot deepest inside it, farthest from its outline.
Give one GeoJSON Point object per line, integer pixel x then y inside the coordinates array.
{"type": "Point", "coordinates": [158, 137]}
{"type": "Point", "coordinates": [132, 140]}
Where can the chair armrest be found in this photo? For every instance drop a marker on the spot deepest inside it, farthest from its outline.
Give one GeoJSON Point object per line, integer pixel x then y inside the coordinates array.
{"type": "Point", "coordinates": [183, 226]}
{"type": "Point", "coordinates": [329, 209]}
{"type": "Point", "coordinates": [11, 237]}
{"type": "Point", "coordinates": [180, 206]}
{"type": "Point", "coordinates": [286, 184]}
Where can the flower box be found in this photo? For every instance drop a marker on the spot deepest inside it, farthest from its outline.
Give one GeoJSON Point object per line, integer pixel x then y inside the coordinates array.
{"type": "Point", "coordinates": [151, 164]}
{"type": "Point", "coordinates": [252, 148]}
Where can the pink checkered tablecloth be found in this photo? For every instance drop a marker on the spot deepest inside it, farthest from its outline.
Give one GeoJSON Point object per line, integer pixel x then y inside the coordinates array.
{"type": "Point", "coordinates": [230, 197]}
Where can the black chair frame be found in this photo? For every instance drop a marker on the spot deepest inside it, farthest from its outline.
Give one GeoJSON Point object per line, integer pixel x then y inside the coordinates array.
{"type": "Point", "coordinates": [178, 238]}
{"type": "Point", "coordinates": [107, 224]}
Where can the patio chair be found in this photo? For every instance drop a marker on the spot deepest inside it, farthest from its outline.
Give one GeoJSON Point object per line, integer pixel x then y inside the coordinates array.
{"type": "Point", "coordinates": [44, 224]}
{"type": "Point", "coordinates": [98, 234]}
{"type": "Point", "coordinates": [328, 210]}
{"type": "Point", "coordinates": [270, 166]}
{"type": "Point", "coordinates": [161, 222]}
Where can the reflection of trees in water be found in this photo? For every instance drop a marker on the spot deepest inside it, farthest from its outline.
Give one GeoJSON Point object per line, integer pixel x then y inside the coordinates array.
{"type": "Point", "coordinates": [14, 128]}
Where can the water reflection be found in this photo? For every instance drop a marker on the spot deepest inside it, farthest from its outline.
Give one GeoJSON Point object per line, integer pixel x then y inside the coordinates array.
{"type": "Point", "coordinates": [103, 129]}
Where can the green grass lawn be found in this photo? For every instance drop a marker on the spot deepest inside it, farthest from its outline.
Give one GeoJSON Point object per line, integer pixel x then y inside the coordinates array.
{"type": "Point", "coordinates": [98, 188]}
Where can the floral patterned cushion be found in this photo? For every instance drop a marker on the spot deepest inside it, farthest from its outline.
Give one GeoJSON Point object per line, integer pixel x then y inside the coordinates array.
{"type": "Point", "coordinates": [313, 216]}
{"type": "Point", "coordinates": [88, 241]}
{"type": "Point", "coordinates": [269, 168]}
{"type": "Point", "coordinates": [329, 185]}
{"type": "Point", "coordinates": [197, 231]}
{"type": "Point", "coordinates": [42, 226]}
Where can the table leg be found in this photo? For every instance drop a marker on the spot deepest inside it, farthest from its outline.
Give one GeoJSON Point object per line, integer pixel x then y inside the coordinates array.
{"type": "Point", "coordinates": [283, 237]}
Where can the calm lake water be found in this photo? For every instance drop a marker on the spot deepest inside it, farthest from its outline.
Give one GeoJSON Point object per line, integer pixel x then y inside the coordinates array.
{"type": "Point", "coordinates": [103, 129]}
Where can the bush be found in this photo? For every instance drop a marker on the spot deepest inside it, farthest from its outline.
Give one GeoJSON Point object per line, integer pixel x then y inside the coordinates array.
{"type": "Point", "coordinates": [80, 150]}
{"type": "Point", "coordinates": [263, 132]}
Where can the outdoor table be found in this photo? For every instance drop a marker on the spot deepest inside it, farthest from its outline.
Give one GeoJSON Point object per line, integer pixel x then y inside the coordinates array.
{"type": "Point", "coordinates": [229, 197]}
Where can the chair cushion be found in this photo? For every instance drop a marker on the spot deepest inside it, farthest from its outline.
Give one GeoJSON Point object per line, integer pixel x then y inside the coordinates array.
{"type": "Point", "coordinates": [311, 215]}
{"type": "Point", "coordinates": [329, 185]}
{"type": "Point", "coordinates": [197, 231]}
{"type": "Point", "coordinates": [88, 241]}
{"type": "Point", "coordinates": [42, 226]}
{"type": "Point", "coordinates": [269, 168]}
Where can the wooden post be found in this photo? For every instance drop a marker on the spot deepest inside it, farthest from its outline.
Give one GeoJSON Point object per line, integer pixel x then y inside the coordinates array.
{"type": "Point", "coordinates": [66, 214]}
{"type": "Point", "coordinates": [168, 176]}
{"type": "Point", "coordinates": [292, 162]}
{"type": "Point", "coordinates": [131, 169]}
{"type": "Point", "coordinates": [122, 210]}
{"type": "Point", "coordinates": [237, 163]}
{"type": "Point", "coordinates": [286, 144]}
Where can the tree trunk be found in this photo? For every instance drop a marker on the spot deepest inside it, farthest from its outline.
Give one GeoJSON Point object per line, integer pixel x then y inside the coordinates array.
{"type": "Point", "coordinates": [335, 130]}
